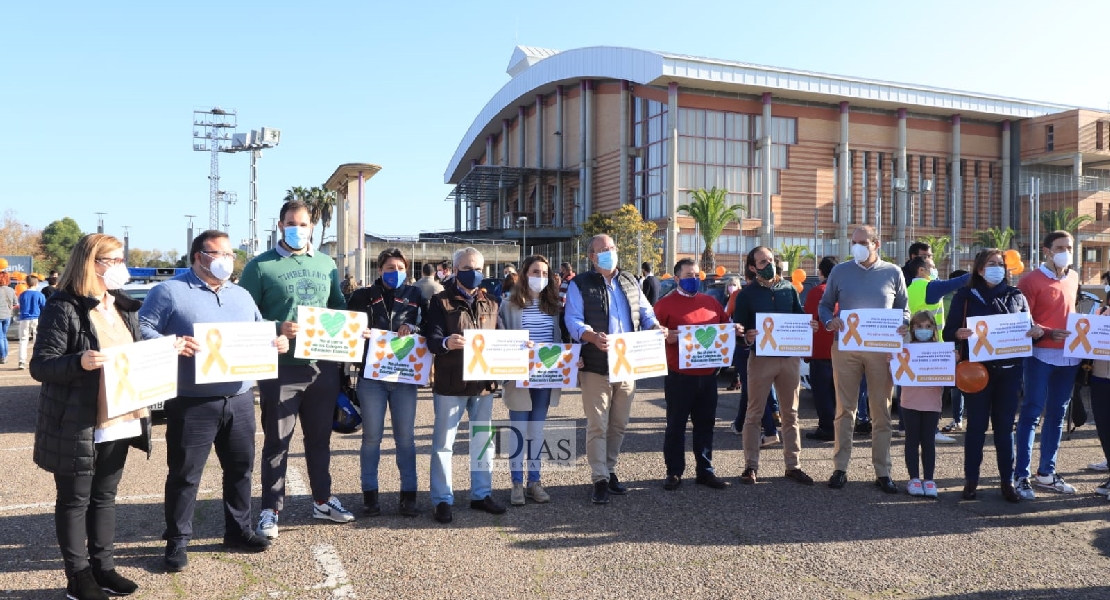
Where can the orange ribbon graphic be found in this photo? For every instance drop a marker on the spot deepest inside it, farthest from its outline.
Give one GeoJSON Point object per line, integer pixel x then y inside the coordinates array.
{"type": "Point", "coordinates": [1082, 327]}
{"type": "Point", "coordinates": [904, 366]}
{"type": "Point", "coordinates": [768, 327]}
{"type": "Point", "coordinates": [981, 329]}
{"type": "Point", "coordinates": [213, 340]}
{"type": "Point", "coordinates": [478, 344]}
{"type": "Point", "coordinates": [123, 369]}
{"type": "Point", "coordinates": [853, 324]}
{"type": "Point", "coordinates": [620, 347]}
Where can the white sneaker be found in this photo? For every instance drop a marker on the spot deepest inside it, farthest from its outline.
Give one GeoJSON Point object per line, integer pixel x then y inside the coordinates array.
{"type": "Point", "coordinates": [516, 498]}
{"type": "Point", "coordinates": [914, 488]}
{"type": "Point", "coordinates": [1024, 489]}
{"type": "Point", "coordinates": [944, 439]}
{"type": "Point", "coordinates": [537, 493]}
{"type": "Point", "coordinates": [332, 510]}
{"type": "Point", "coordinates": [769, 440]}
{"type": "Point", "coordinates": [267, 524]}
{"type": "Point", "coordinates": [1099, 466]}
{"type": "Point", "coordinates": [930, 489]}
{"type": "Point", "coordinates": [733, 429]}
{"type": "Point", "coordinates": [1103, 488]}
{"type": "Point", "coordinates": [1054, 482]}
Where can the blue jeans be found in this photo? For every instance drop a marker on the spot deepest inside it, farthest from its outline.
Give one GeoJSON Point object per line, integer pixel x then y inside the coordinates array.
{"type": "Point", "coordinates": [373, 396]}
{"type": "Point", "coordinates": [448, 413]}
{"type": "Point", "coordinates": [1048, 389]}
{"type": "Point", "coordinates": [957, 404]}
{"type": "Point", "coordinates": [4, 324]}
{"type": "Point", "coordinates": [741, 355]}
{"type": "Point", "coordinates": [528, 428]}
{"type": "Point", "coordinates": [863, 412]}
{"type": "Point", "coordinates": [824, 392]}
{"type": "Point", "coordinates": [998, 404]}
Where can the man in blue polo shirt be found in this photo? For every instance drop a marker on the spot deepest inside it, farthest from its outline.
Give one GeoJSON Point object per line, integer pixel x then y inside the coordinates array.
{"type": "Point", "coordinates": [30, 305]}
{"type": "Point", "coordinates": [205, 414]}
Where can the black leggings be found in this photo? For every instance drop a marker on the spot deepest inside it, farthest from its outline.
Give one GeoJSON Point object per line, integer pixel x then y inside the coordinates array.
{"type": "Point", "coordinates": [85, 511]}
{"type": "Point", "coordinates": [921, 428]}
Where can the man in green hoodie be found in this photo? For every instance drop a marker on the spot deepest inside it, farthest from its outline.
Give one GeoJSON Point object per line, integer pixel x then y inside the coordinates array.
{"type": "Point", "coordinates": [281, 279]}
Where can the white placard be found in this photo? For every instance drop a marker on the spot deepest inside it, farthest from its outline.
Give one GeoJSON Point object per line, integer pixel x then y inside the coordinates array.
{"type": "Point", "coordinates": [871, 330]}
{"type": "Point", "coordinates": [999, 336]}
{"type": "Point", "coordinates": [1089, 337]}
{"type": "Point", "coordinates": [140, 374]}
{"type": "Point", "coordinates": [399, 359]}
{"type": "Point", "coordinates": [637, 355]}
{"type": "Point", "coordinates": [706, 346]}
{"type": "Point", "coordinates": [235, 352]}
{"type": "Point", "coordinates": [326, 334]}
{"type": "Point", "coordinates": [553, 366]}
{"type": "Point", "coordinates": [495, 354]}
{"type": "Point", "coordinates": [778, 334]}
{"type": "Point", "coordinates": [922, 364]}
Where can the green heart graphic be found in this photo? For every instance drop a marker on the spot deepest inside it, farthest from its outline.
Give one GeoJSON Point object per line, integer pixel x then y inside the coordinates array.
{"type": "Point", "coordinates": [705, 336]}
{"type": "Point", "coordinates": [550, 355]}
{"type": "Point", "coordinates": [332, 322]}
{"type": "Point", "coordinates": [402, 346]}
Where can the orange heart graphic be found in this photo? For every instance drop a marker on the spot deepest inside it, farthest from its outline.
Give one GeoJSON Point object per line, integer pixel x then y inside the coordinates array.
{"type": "Point", "coordinates": [351, 354]}
{"type": "Point", "coordinates": [566, 380]}
{"type": "Point", "coordinates": [389, 356]}
{"type": "Point", "coordinates": [421, 352]}
{"type": "Point", "coordinates": [307, 353]}
{"type": "Point", "coordinates": [310, 320]}
{"type": "Point", "coordinates": [418, 368]}
{"type": "Point", "coordinates": [379, 355]}
{"type": "Point", "coordinates": [531, 355]}
{"type": "Point", "coordinates": [724, 351]}
{"type": "Point", "coordinates": [352, 343]}
{"type": "Point", "coordinates": [566, 371]}
{"type": "Point", "coordinates": [309, 332]}
{"type": "Point", "coordinates": [353, 326]}
{"type": "Point", "coordinates": [524, 383]}
{"type": "Point", "coordinates": [689, 347]}
{"type": "Point", "coordinates": [381, 342]}
{"type": "Point", "coordinates": [376, 374]}
{"type": "Point", "coordinates": [567, 357]}
{"type": "Point", "coordinates": [346, 335]}
{"type": "Point", "coordinates": [416, 377]}
{"type": "Point", "coordinates": [377, 365]}
{"type": "Point", "coordinates": [687, 337]}
{"type": "Point", "coordinates": [412, 358]}
{"type": "Point", "coordinates": [723, 338]}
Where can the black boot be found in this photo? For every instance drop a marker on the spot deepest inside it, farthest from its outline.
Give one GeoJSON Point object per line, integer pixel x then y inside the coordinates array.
{"type": "Point", "coordinates": [370, 505]}
{"type": "Point", "coordinates": [115, 584]}
{"type": "Point", "coordinates": [407, 506]}
{"type": "Point", "coordinates": [83, 586]}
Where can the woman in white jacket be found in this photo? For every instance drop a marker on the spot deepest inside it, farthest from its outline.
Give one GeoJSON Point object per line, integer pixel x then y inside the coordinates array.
{"type": "Point", "coordinates": [533, 306]}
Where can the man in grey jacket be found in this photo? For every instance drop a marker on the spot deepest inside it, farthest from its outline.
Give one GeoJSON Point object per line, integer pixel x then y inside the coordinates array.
{"type": "Point", "coordinates": [865, 282]}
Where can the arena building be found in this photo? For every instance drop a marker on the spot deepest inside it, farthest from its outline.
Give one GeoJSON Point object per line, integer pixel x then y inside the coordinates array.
{"type": "Point", "coordinates": [586, 130]}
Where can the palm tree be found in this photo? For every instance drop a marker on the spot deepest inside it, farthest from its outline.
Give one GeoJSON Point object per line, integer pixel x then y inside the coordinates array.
{"type": "Point", "coordinates": [794, 255]}
{"type": "Point", "coordinates": [323, 208]}
{"type": "Point", "coordinates": [297, 193]}
{"type": "Point", "coordinates": [712, 212]}
{"type": "Point", "coordinates": [1064, 220]}
{"type": "Point", "coordinates": [995, 237]}
{"type": "Point", "coordinates": [939, 245]}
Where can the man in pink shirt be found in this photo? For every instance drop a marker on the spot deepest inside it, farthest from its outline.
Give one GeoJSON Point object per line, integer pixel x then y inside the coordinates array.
{"type": "Point", "coordinates": [1051, 290]}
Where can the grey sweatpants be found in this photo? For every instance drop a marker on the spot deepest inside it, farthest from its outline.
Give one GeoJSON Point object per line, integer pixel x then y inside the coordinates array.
{"type": "Point", "coordinates": [308, 392]}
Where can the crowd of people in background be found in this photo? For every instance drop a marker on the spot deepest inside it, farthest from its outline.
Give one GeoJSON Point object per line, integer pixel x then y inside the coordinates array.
{"type": "Point", "coordinates": [84, 311]}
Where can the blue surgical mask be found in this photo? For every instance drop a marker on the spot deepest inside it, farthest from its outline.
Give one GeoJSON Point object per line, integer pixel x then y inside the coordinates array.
{"type": "Point", "coordinates": [607, 260]}
{"type": "Point", "coordinates": [469, 279]}
{"type": "Point", "coordinates": [297, 237]}
{"type": "Point", "coordinates": [923, 335]}
{"type": "Point", "coordinates": [689, 284]}
{"type": "Point", "coordinates": [393, 279]}
{"type": "Point", "coordinates": [994, 275]}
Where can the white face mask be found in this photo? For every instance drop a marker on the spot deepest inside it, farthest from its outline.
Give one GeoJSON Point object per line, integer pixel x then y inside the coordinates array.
{"type": "Point", "coordinates": [537, 284]}
{"type": "Point", "coordinates": [1061, 259]}
{"type": "Point", "coordinates": [116, 276]}
{"type": "Point", "coordinates": [730, 289]}
{"type": "Point", "coordinates": [860, 252]}
{"type": "Point", "coordinates": [221, 268]}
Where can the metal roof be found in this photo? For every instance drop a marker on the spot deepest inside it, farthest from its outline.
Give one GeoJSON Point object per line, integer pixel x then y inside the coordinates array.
{"type": "Point", "coordinates": [542, 73]}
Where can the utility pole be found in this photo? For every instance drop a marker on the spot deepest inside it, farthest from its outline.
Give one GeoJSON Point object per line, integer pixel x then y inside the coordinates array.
{"type": "Point", "coordinates": [189, 238]}
{"type": "Point", "coordinates": [127, 243]}
{"type": "Point", "coordinates": [100, 222]}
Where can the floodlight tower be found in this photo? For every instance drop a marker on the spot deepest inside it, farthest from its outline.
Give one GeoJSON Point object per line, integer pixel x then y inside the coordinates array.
{"type": "Point", "coordinates": [100, 222]}
{"type": "Point", "coordinates": [254, 142]}
{"type": "Point", "coordinates": [228, 198]}
{"type": "Point", "coordinates": [212, 131]}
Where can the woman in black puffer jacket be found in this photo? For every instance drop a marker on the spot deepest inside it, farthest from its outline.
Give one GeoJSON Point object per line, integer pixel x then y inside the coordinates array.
{"type": "Point", "coordinates": [73, 438]}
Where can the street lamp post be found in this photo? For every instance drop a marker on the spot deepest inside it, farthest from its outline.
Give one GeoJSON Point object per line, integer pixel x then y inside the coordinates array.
{"type": "Point", "coordinates": [523, 222]}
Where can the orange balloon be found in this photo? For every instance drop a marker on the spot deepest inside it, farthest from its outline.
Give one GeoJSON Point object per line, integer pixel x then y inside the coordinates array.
{"type": "Point", "coordinates": [19, 289]}
{"type": "Point", "coordinates": [971, 377]}
{"type": "Point", "coordinates": [798, 276]}
{"type": "Point", "coordinates": [1017, 269]}
{"type": "Point", "coordinates": [1012, 258]}
{"type": "Point", "coordinates": [701, 275]}
{"type": "Point", "coordinates": [798, 286]}
{"type": "Point", "coordinates": [720, 271]}
{"type": "Point", "coordinates": [665, 276]}
{"type": "Point", "coordinates": [3, 263]}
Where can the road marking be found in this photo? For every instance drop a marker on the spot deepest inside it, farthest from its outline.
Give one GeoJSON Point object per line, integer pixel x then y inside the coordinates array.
{"type": "Point", "coordinates": [19, 448]}
{"type": "Point", "coordinates": [139, 497]}
{"type": "Point", "coordinates": [294, 483]}
{"type": "Point", "coordinates": [335, 575]}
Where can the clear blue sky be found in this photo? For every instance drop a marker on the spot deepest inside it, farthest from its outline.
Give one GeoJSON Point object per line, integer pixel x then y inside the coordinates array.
{"type": "Point", "coordinates": [97, 97]}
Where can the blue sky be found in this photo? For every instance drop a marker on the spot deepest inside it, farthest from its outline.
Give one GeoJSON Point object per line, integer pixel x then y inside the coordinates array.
{"type": "Point", "coordinates": [98, 96]}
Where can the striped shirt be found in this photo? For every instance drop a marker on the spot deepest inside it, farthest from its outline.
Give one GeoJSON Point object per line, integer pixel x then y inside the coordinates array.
{"type": "Point", "coordinates": [537, 322]}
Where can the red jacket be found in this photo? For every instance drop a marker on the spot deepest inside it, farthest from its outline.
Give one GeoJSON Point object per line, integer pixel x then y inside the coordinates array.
{"type": "Point", "coordinates": [822, 340]}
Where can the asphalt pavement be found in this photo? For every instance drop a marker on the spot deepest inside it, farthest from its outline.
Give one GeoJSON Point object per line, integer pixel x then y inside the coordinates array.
{"type": "Point", "coordinates": [776, 539]}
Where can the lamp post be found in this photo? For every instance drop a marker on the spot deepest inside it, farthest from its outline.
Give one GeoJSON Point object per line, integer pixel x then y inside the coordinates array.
{"type": "Point", "coordinates": [523, 222]}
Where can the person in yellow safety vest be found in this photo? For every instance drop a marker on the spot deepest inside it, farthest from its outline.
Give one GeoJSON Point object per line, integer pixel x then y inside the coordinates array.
{"type": "Point", "coordinates": [919, 271]}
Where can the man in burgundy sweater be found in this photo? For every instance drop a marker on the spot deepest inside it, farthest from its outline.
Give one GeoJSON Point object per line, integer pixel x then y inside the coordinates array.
{"type": "Point", "coordinates": [691, 394]}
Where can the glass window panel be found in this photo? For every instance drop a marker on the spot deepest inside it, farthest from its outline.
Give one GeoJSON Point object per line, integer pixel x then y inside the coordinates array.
{"type": "Point", "coordinates": [714, 177]}
{"type": "Point", "coordinates": [655, 130]}
{"type": "Point", "coordinates": [715, 152]}
{"type": "Point", "coordinates": [714, 124]}
{"type": "Point", "coordinates": [757, 126]}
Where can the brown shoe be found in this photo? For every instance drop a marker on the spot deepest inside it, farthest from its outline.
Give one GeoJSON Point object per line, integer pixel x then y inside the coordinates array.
{"type": "Point", "coordinates": [748, 476]}
{"type": "Point", "coordinates": [969, 490]}
{"type": "Point", "coordinates": [799, 476]}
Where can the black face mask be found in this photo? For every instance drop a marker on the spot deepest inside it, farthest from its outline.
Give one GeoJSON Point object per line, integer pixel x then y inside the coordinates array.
{"type": "Point", "coordinates": [767, 273]}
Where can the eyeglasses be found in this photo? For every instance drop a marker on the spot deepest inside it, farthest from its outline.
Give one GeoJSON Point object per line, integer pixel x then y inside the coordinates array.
{"type": "Point", "coordinates": [214, 254]}
{"type": "Point", "coordinates": [112, 261]}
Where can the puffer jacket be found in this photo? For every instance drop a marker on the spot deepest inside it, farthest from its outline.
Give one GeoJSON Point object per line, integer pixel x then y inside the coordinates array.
{"type": "Point", "coordinates": [68, 398]}
{"type": "Point", "coordinates": [409, 308]}
{"type": "Point", "coordinates": [983, 301]}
